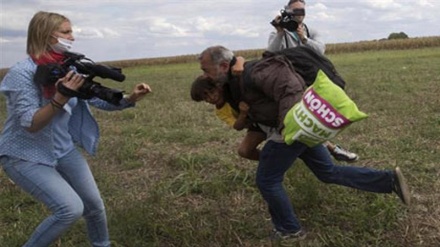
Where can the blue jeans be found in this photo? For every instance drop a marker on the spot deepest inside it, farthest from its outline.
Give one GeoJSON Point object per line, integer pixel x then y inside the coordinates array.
{"type": "Point", "coordinates": [277, 158]}
{"type": "Point", "coordinates": [68, 190]}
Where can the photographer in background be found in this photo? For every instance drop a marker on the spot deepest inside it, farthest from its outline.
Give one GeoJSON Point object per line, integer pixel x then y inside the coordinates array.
{"type": "Point", "coordinates": [291, 31]}
{"type": "Point", "coordinates": [38, 143]}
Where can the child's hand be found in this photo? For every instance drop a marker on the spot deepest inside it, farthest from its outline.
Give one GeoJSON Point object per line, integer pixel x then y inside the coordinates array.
{"type": "Point", "coordinates": [243, 107]}
{"type": "Point", "coordinates": [238, 67]}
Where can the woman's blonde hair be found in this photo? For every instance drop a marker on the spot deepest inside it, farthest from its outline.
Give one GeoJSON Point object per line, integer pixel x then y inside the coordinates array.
{"type": "Point", "coordinates": [40, 29]}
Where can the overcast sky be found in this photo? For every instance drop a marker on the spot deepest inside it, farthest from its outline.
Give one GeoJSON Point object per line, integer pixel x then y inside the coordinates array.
{"type": "Point", "coordinates": [107, 30]}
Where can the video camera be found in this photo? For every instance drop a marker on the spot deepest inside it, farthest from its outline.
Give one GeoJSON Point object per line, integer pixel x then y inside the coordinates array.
{"type": "Point", "coordinates": [49, 74]}
{"type": "Point", "coordinates": [288, 19]}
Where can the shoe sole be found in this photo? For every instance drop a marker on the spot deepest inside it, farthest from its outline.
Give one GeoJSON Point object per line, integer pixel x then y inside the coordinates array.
{"type": "Point", "coordinates": [353, 160]}
{"type": "Point", "coordinates": [403, 186]}
{"type": "Point", "coordinates": [346, 160]}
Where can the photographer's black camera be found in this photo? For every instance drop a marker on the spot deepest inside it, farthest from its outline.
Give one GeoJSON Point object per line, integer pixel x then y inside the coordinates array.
{"type": "Point", "coordinates": [49, 74]}
{"type": "Point", "coordinates": [288, 19]}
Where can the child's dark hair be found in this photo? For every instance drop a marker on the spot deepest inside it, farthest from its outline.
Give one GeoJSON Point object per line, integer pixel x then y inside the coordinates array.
{"type": "Point", "coordinates": [200, 86]}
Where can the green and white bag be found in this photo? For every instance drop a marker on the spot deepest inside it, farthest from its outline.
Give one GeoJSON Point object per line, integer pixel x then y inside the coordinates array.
{"type": "Point", "coordinates": [324, 111]}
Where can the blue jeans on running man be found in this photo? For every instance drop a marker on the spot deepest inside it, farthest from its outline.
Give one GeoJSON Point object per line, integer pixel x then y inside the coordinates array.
{"type": "Point", "coordinates": [276, 158]}
{"type": "Point", "coordinates": [68, 190]}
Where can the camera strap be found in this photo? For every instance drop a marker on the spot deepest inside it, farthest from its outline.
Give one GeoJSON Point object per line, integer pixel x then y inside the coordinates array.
{"type": "Point", "coordinates": [307, 30]}
{"type": "Point", "coordinates": [295, 35]}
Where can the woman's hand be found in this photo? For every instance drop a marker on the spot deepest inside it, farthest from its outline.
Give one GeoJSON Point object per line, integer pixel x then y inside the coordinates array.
{"type": "Point", "coordinates": [139, 91]}
{"type": "Point", "coordinates": [276, 24]}
{"type": "Point", "coordinates": [45, 114]}
{"type": "Point", "coordinates": [302, 33]}
{"type": "Point", "coordinates": [72, 81]}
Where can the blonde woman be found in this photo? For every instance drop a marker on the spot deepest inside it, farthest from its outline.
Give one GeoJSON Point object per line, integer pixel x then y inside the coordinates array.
{"type": "Point", "coordinates": [38, 144]}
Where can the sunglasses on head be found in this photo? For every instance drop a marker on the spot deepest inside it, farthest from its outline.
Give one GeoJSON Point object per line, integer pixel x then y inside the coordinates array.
{"type": "Point", "coordinates": [294, 1]}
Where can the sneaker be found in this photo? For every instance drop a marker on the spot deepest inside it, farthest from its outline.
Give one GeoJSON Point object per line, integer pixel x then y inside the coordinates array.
{"type": "Point", "coordinates": [400, 187]}
{"type": "Point", "coordinates": [343, 155]}
{"type": "Point", "coordinates": [286, 239]}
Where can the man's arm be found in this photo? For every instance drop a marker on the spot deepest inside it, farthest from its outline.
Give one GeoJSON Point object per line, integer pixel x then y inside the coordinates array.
{"type": "Point", "coordinates": [276, 78]}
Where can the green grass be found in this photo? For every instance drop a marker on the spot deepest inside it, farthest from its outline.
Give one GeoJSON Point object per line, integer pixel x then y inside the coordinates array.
{"type": "Point", "coordinates": [170, 176]}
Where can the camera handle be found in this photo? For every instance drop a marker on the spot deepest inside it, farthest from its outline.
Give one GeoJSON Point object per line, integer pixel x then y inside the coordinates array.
{"type": "Point", "coordinates": [71, 93]}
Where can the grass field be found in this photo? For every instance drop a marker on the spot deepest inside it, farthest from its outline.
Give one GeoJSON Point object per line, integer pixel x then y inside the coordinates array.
{"type": "Point", "coordinates": [170, 176]}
